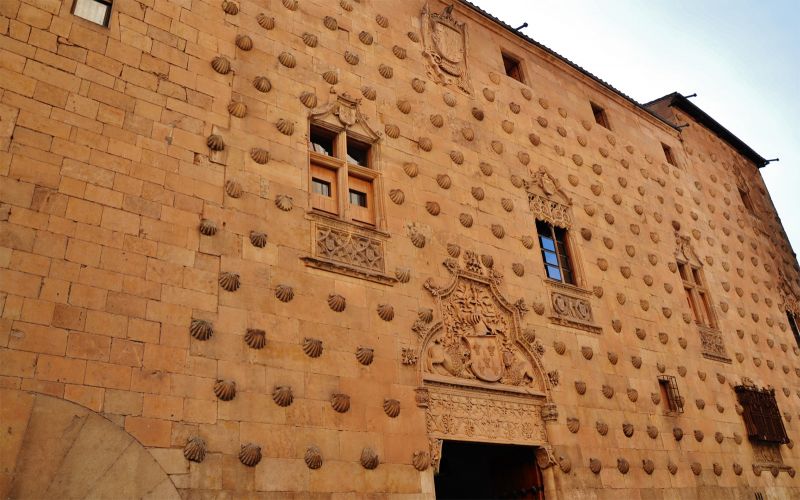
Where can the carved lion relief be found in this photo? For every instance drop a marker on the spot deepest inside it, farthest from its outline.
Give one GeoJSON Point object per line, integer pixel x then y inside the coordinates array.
{"type": "Point", "coordinates": [445, 48]}
{"type": "Point", "coordinates": [548, 202]}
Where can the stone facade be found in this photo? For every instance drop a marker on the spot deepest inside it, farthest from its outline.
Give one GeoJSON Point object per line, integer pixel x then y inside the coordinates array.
{"type": "Point", "coordinates": [162, 264]}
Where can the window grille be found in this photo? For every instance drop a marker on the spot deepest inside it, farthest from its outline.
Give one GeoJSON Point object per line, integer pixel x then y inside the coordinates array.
{"type": "Point", "coordinates": [669, 387]}
{"type": "Point", "coordinates": [761, 415]}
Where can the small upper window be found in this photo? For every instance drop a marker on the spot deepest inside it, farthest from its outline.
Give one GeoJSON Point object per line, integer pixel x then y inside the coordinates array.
{"type": "Point", "coordinates": [555, 252]}
{"type": "Point", "coordinates": [600, 116]}
{"type": "Point", "coordinates": [96, 11]}
{"type": "Point", "coordinates": [669, 155]}
{"type": "Point", "coordinates": [513, 67]}
{"type": "Point", "coordinates": [746, 201]}
{"type": "Point", "coordinates": [794, 326]}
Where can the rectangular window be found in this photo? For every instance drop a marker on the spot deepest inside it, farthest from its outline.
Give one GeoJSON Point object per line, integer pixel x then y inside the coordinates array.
{"type": "Point", "coordinates": [96, 11]}
{"type": "Point", "coordinates": [794, 326]}
{"type": "Point", "coordinates": [361, 206]}
{"type": "Point", "coordinates": [357, 152]}
{"type": "Point", "coordinates": [322, 141]}
{"type": "Point", "coordinates": [761, 415]}
{"type": "Point", "coordinates": [669, 393]}
{"type": "Point", "coordinates": [697, 295]}
{"type": "Point", "coordinates": [600, 116]}
{"type": "Point", "coordinates": [512, 67]}
{"type": "Point", "coordinates": [668, 154]}
{"type": "Point", "coordinates": [555, 252]}
{"type": "Point", "coordinates": [324, 194]}
{"type": "Point", "coordinates": [745, 196]}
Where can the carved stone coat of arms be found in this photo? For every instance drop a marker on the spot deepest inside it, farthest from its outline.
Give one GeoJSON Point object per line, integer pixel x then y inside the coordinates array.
{"type": "Point", "coordinates": [445, 41]}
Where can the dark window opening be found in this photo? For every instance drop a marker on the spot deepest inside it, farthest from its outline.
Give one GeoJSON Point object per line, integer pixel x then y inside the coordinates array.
{"type": "Point", "coordinates": [96, 11]}
{"type": "Point", "coordinates": [761, 415]}
{"type": "Point", "coordinates": [512, 67]}
{"type": "Point", "coordinates": [794, 326]}
{"type": "Point", "coordinates": [357, 152]}
{"type": "Point", "coordinates": [555, 252]}
{"type": "Point", "coordinates": [322, 141]}
{"type": "Point", "coordinates": [746, 201]}
{"type": "Point", "coordinates": [321, 187]}
{"type": "Point", "coordinates": [668, 154]}
{"type": "Point", "coordinates": [696, 295]}
{"type": "Point", "coordinates": [358, 198]}
{"type": "Point", "coordinates": [600, 116]}
{"type": "Point", "coordinates": [669, 393]}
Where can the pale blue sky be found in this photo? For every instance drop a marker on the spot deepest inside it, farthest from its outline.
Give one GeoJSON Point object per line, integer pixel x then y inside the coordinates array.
{"type": "Point", "coordinates": [741, 57]}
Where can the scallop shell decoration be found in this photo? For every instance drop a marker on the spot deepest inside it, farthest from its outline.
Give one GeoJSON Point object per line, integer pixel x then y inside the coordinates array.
{"type": "Point", "coordinates": [559, 347]}
{"type": "Point", "coordinates": [229, 281]}
{"type": "Point", "coordinates": [336, 302]}
{"type": "Point", "coordinates": [677, 433]}
{"type": "Point", "coordinates": [527, 242]}
{"type": "Point", "coordinates": [351, 58]}
{"type": "Point", "coordinates": [468, 134]}
{"type": "Point", "coordinates": [478, 193]}
{"type": "Point", "coordinates": [672, 467]}
{"type": "Point", "coordinates": [486, 169]}
{"type": "Point", "coordinates": [291, 4]}
{"type": "Point", "coordinates": [392, 130]}
{"type": "Point", "coordinates": [369, 459]}
{"type": "Point", "coordinates": [233, 188]}
{"type": "Point", "coordinates": [404, 106]}
{"type": "Point", "coordinates": [608, 391]}
{"type": "Point", "coordinates": [477, 114]}
{"type": "Point", "coordinates": [413, 36]}
{"type": "Point", "coordinates": [259, 155]}
{"type": "Point", "coordinates": [257, 239]}
{"type": "Point", "coordinates": [215, 142]}
{"type": "Point", "coordinates": [465, 220]}
{"type": "Point", "coordinates": [497, 147]}
{"type": "Point", "coordinates": [595, 466]}
{"type": "Point", "coordinates": [487, 260]}
{"type": "Point", "coordinates": [418, 239]}
{"type": "Point", "coordinates": [385, 71]}
{"type": "Point", "coordinates": [402, 274]}
{"type": "Point", "coordinates": [255, 338]}
{"type": "Point", "coordinates": [340, 402]}
{"type": "Point", "coordinates": [313, 458]}
{"type": "Point", "coordinates": [623, 466]}
{"type": "Point", "coordinates": [237, 109]}
{"type": "Point", "coordinates": [508, 126]}
{"type": "Point", "coordinates": [201, 329]}
{"type": "Point", "coordinates": [602, 427]}
{"type": "Point", "coordinates": [208, 227]}
{"type": "Point", "coordinates": [282, 395]}
{"type": "Point", "coordinates": [507, 204]}
{"type": "Point", "coordinates": [244, 42]}
{"type": "Point", "coordinates": [696, 468]}
{"type": "Point", "coordinates": [418, 85]}
{"type": "Point", "coordinates": [397, 196]}
{"type": "Point", "coordinates": [284, 202]}
{"type": "Point", "coordinates": [457, 157]}
{"type": "Point", "coordinates": [433, 208]}
{"type": "Point", "coordinates": [573, 424]}
{"type": "Point", "coordinates": [648, 466]}
{"type": "Point", "coordinates": [225, 389]}
{"type": "Point", "coordinates": [331, 77]}
{"type": "Point", "coordinates": [399, 52]}
{"type": "Point", "coordinates": [265, 21]}
{"type": "Point", "coordinates": [498, 231]}
{"type": "Point", "coordinates": [382, 21]}
{"type": "Point", "coordinates": [421, 460]}
{"type": "Point", "coordinates": [365, 355]}
{"type": "Point", "coordinates": [366, 38]}
{"type": "Point", "coordinates": [386, 312]}
{"type": "Point", "coordinates": [424, 144]}
{"type": "Point", "coordinates": [369, 92]}
{"type": "Point", "coordinates": [391, 407]}
{"type": "Point", "coordinates": [229, 7]}
{"type": "Point", "coordinates": [627, 429]}
{"type": "Point", "coordinates": [580, 387]}
{"type": "Point", "coordinates": [444, 181]}
{"type": "Point", "coordinates": [309, 99]}
{"type": "Point", "coordinates": [221, 65]}
{"type": "Point", "coordinates": [518, 269]}
{"type": "Point", "coordinates": [411, 169]}
{"type": "Point", "coordinates": [262, 84]}
{"type": "Point", "coordinates": [195, 449]}
{"type": "Point", "coordinates": [449, 99]}
{"type": "Point", "coordinates": [587, 352]}
{"type": "Point", "coordinates": [285, 126]}
{"type": "Point", "coordinates": [437, 120]}
{"type": "Point", "coordinates": [284, 293]}
{"type": "Point", "coordinates": [250, 454]}
{"type": "Point", "coordinates": [312, 347]}
{"type": "Point", "coordinates": [488, 94]}
{"type": "Point", "coordinates": [287, 59]}
{"type": "Point", "coordinates": [331, 23]}
{"type": "Point", "coordinates": [652, 431]}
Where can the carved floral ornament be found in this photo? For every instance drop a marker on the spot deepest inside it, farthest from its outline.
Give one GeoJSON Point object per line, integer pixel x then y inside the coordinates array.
{"type": "Point", "coordinates": [484, 380]}
{"type": "Point", "coordinates": [445, 48]}
{"type": "Point", "coordinates": [343, 111]}
{"type": "Point", "coordinates": [547, 200]}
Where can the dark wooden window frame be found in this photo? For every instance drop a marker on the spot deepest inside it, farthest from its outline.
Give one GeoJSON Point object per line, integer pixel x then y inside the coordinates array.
{"type": "Point", "coordinates": [561, 252]}
{"type": "Point", "coordinates": [762, 418]}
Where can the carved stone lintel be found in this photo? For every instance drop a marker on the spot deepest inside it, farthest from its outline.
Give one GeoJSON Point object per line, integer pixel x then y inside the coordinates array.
{"type": "Point", "coordinates": [445, 48]}
{"type": "Point", "coordinates": [550, 412]}
{"type": "Point", "coordinates": [713, 346]}
{"type": "Point", "coordinates": [571, 307]}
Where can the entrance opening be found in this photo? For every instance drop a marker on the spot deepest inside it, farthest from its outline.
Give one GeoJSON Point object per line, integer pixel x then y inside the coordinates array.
{"type": "Point", "coordinates": [481, 470]}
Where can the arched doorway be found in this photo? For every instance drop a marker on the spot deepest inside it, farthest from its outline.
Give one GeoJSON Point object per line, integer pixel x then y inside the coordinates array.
{"type": "Point", "coordinates": [56, 449]}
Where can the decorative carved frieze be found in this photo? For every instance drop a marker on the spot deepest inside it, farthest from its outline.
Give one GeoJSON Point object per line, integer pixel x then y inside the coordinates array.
{"type": "Point", "coordinates": [445, 48]}
{"type": "Point", "coordinates": [571, 307]}
{"type": "Point", "coordinates": [547, 200]}
{"type": "Point", "coordinates": [348, 251]}
{"type": "Point", "coordinates": [713, 345]}
{"type": "Point", "coordinates": [344, 111]}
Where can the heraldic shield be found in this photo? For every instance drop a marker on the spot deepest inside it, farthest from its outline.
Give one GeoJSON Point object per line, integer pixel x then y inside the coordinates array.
{"type": "Point", "coordinates": [445, 41]}
{"type": "Point", "coordinates": [487, 358]}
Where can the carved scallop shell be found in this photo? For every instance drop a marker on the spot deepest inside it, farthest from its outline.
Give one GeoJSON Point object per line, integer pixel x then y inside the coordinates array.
{"type": "Point", "coordinates": [672, 467]}
{"type": "Point", "coordinates": [229, 7]}
{"type": "Point", "coordinates": [453, 250]}
{"type": "Point", "coordinates": [259, 155]}
{"type": "Point", "coordinates": [652, 431]}
{"type": "Point", "coordinates": [221, 65]}
{"type": "Point", "coordinates": [225, 389]}
{"type": "Point", "coordinates": [696, 468]}
{"type": "Point", "coordinates": [518, 269]}
{"type": "Point", "coordinates": [648, 466]}
{"type": "Point", "coordinates": [229, 281]}
{"type": "Point", "coordinates": [201, 329]}
{"type": "Point", "coordinates": [291, 4]}
{"type": "Point", "coordinates": [399, 52]}
{"type": "Point", "coordinates": [444, 181]}
{"type": "Point", "coordinates": [386, 312]}
{"type": "Point", "coordinates": [527, 242]}
{"type": "Point", "coordinates": [385, 71]}
{"type": "Point", "coordinates": [488, 94]}
{"type": "Point", "coordinates": [336, 302]}
{"type": "Point", "coordinates": [633, 395]}
{"type": "Point", "coordinates": [526, 93]}
{"type": "Point", "coordinates": [421, 460]}
{"type": "Point", "coordinates": [487, 260]}
{"type": "Point", "coordinates": [417, 239]}
{"type": "Point", "coordinates": [497, 147]}
{"type": "Point", "coordinates": [486, 169]}
{"type": "Point", "coordinates": [468, 134]}
{"type": "Point", "coordinates": [524, 157]}
{"type": "Point", "coordinates": [402, 274]}
{"type": "Point", "coordinates": [465, 220]}
{"type": "Point", "coordinates": [404, 106]}
{"type": "Point", "coordinates": [507, 204]}
{"type": "Point", "coordinates": [595, 466]}
{"type": "Point", "coordinates": [397, 196]}
{"type": "Point", "coordinates": [285, 126]}
{"type": "Point", "coordinates": [250, 454]}
{"type": "Point", "coordinates": [366, 38]}
{"type": "Point", "coordinates": [424, 144]}
{"type": "Point", "coordinates": [413, 36]}
{"type": "Point", "coordinates": [365, 355]}
{"type": "Point", "coordinates": [478, 193]}
{"type": "Point", "coordinates": [699, 435]}
{"type": "Point", "coordinates": [391, 407]}
{"type": "Point", "coordinates": [312, 347]}
{"type": "Point", "coordinates": [265, 21]}
{"type": "Point", "coordinates": [587, 352]}
{"type": "Point", "coordinates": [425, 314]}
{"type": "Point", "coordinates": [369, 459]}
{"type": "Point", "coordinates": [580, 387]}
{"type": "Point", "coordinates": [719, 437]}
{"type": "Point", "coordinates": [340, 402]}
{"type": "Point", "coordinates": [244, 42]}
{"type": "Point", "coordinates": [233, 188]}
{"type": "Point", "coordinates": [418, 85]}
{"type": "Point", "coordinates": [392, 130]}
{"type": "Point", "coordinates": [282, 395]}
{"type": "Point", "coordinates": [330, 22]}
{"type": "Point", "coordinates": [623, 466]}
{"type": "Point", "coordinates": [602, 427]}
{"type": "Point", "coordinates": [255, 338]}
{"type": "Point", "coordinates": [608, 391]}
{"type": "Point", "coordinates": [559, 347]}
{"type": "Point", "coordinates": [457, 157]}
{"type": "Point", "coordinates": [284, 293]}
{"type": "Point", "coordinates": [565, 464]}
{"type": "Point", "coordinates": [215, 142]}
{"type": "Point", "coordinates": [573, 424]}
{"type": "Point", "coordinates": [433, 208]}
{"type": "Point", "coordinates": [331, 77]}
{"type": "Point", "coordinates": [508, 126]}
{"type": "Point", "coordinates": [313, 457]}
{"type": "Point", "coordinates": [237, 109]}
{"type": "Point", "coordinates": [677, 433]}
{"type": "Point", "coordinates": [309, 99]}
{"type": "Point", "coordinates": [477, 114]}
{"type": "Point", "coordinates": [351, 57]}
{"type": "Point", "coordinates": [627, 429]}
{"type": "Point", "coordinates": [195, 449]}
{"type": "Point", "coordinates": [542, 121]}
{"type": "Point", "coordinates": [257, 239]}
{"type": "Point", "coordinates": [287, 59]}
{"type": "Point", "coordinates": [208, 227]}
{"type": "Point", "coordinates": [284, 202]}
{"type": "Point", "coordinates": [262, 84]}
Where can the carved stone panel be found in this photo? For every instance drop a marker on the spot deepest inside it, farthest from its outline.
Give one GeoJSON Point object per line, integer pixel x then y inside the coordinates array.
{"type": "Point", "coordinates": [571, 307]}
{"type": "Point", "coordinates": [713, 345]}
{"type": "Point", "coordinates": [487, 417]}
{"type": "Point", "coordinates": [445, 48]}
{"type": "Point", "coordinates": [547, 200]}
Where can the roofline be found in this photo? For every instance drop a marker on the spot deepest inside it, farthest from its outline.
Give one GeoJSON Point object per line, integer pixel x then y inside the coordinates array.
{"type": "Point", "coordinates": [679, 101]}
{"type": "Point", "coordinates": [573, 65]}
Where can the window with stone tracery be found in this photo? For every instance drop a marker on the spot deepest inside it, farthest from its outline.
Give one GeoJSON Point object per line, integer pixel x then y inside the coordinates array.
{"type": "Point", "coordinates": [697, 295]}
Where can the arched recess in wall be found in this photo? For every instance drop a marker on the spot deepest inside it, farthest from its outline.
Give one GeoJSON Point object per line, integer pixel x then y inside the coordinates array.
{"type": "Point", "coordinates": [57, 449]}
